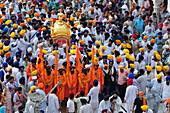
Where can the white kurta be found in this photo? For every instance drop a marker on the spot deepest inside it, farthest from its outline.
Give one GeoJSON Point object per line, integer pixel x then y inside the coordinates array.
{"type": "Point", "coordinates": [86, 109]}
{"type": "Point", "coordinates": [130, 96]}
{"type": "Point", "coordinates": [94, 92]}
{"type": "Point", "coordinates": [157, 86]}
{"type": "Point", "coordinates": [165, 93]}
{"type": "Point", "coordinates": [53, 104]}
{"type": "Point", "coordinates": [103, 105]}
{"type": "Point", "coordinates": [117, 104]}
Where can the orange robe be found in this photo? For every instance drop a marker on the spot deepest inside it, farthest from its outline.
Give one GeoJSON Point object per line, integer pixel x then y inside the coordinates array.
{"type": "Point", "coordinates": [61, 89]}
{"type": "Point", "coordinates": [48, 80]}
{"type": "Point", "coordinates": [85, 84]}
{"type": "Point", "coordinates": [100, 77]}
{"type": "Point", "coordinates": [30, 69]}
{"type": "Point", "coordinates": [72, 82]}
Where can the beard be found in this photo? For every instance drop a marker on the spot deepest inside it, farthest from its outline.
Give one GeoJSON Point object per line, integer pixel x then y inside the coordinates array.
{"type": "Point", "coordinates": [167, 83]}
{"type": "Point", "coordinates": [159, 81]}
{"type": "Point", "coordinates": [72, 72]}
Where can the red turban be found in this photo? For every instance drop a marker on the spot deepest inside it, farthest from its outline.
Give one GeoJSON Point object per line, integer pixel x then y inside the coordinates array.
{"type": "Point", "coordinates": [130, 81]}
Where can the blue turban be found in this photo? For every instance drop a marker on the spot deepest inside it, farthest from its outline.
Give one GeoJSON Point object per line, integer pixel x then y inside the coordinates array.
{"type": "Point", "coordinates": [4, 64]}
{"type": "Point", "coordinates": [130, 62]}
{"type": "Point", "coordinates": [149, 84]}
{"type": "Point", "coordinates": [5, 29]}
{"type": "Point", "coordinates": [55, 44]}
{"type": "Point", "coordinates": [95, 82]}
{"type": "Point", "coordinates": [131, 75]}
{"type": "Point", "coordinates": [167, 78]}
{"type": "Point", "coordinates": [39, 38]}
{"type": "Point", "coordinates": [160, 33]}
{"type": "Point", "coordinates": [73, 35]}
{"type": "Point", "coordinates": [6, 43]}
{"type": "Point", "coordinates": [90, 41]}
{"type": "Point", "coordinates": [110, 61]}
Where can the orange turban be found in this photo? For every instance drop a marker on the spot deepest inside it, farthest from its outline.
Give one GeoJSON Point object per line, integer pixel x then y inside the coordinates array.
{"type": "Point", "coordinates": [28, 12]}
{"type": "Point", "coordinates": [145, 37]}
{"type": "Point", "coordinates": [22, 24]}
{"type": "Point", "coordinates": [36, 14]}
{"type": "Point", "coordinates": [92, 9]}
{"type": "Point", "coordinates": [168, 100]}
{"type": "Point", "coordinates": [119, 59]}
{"type": "Point", "coordinates": [153, 40]}
{"type": "Point", "coordinates": [91, 2]}
{"type": "Point", "coordinates": [140, 93]}
{"type": "Point", "coordinates": [40, 85]}
{"type": "Point", "coordinates": [118, 41]}
{"type": "Point", "coordinates": [8, 54]}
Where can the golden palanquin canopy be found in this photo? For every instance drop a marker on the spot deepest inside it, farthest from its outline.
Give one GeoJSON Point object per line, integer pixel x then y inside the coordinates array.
{"type": "Point", "coordinates": [61, 31]}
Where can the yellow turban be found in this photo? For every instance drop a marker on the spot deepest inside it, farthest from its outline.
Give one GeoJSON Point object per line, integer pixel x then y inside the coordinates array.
{"type": "Point", "coordinates": [132, 65]}
{"type": "Point", "coordinates": [53, 52]}
{"type": "Point", "coordinates": [158, 68]}
{"type": "Point", "coordinates": [158, 57]}
{"type": "Point", "coordinates": [121, 67]}
{"type": "Point", "coordinates": [98, 42]}
{"type": "Point", "coordinates": [103, 47]}
{"type": "Point", "coordinates": [15, 25]}
{"type": "Point", "coordinates": [6, 48]}
{"type": "Point", "coordinates": [29, 19]}
{"type": "Point", "coordinates": [149, 68]}
{"type": "Point", "coordinates": [165, 68]}
{"type": "Point", "coordinates": [156, 52]}
{"type": "Point", "coordinates": [127, 55]}
{"type": "Point", "coordinates": [128, 45]}
{"type": "Point", "coordinates": [73, 51]}
{"type": "Point", "coordinates": [96, 60]}
{"type": "Point", "coordinates": [12, 35]}
{"type": "Point", "coordinates": [132, 58]}
{"type": "Point", "coordinates": [114, 50]}
{"type": "Point", "coordinates": [73, 47]}
{"type": "Point", "coordinates": [110, 57]}
{"type": "Point", "coordinates": [1, 51]}
{"type": "Point", "coordinates": [98, 50]}
{"type": "Point", "coordinates": [141, 49]}
{"type": "Point", "coordinates": [144, 107]}
{"type": "Point", "coordinates": [140, 93]}
{"type": "Point", "coordinates": [72, 18]}
{"type": "Point", "coordinates": [123, 45]}
{"type": "Point", "coordinates": [22, 32]}
{"type": "Point", "coordinates": [159, 76]}
{"type": "Point", "coordinates": [7, 22]}
{"type": "Point", "coordinates": [34, 72]}
{"type": "Point", "coordinates": [126, 51]}
{"type": "Point", "coordinates": [33, 88]}
{"type": "Point", "coordinates": [101, 55]}
{"type": "Point", "coordinates": [1, 45]}
{"type": "Point", "coordinates": [89, 53]}
{"type": "Point", "coordinates": [44, 51]}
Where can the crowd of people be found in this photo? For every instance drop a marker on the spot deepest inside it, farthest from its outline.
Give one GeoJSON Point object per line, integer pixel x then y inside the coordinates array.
{"type": "Point", "coordinates": [119, 52]}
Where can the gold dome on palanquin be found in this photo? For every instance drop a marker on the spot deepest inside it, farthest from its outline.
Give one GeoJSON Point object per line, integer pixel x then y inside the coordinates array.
{"type": "Point", "coordinates": [61, 27]}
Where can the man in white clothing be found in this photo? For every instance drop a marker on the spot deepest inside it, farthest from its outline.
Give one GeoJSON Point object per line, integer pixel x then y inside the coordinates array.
{"type": "Point", "coordinates": [165, 92]}
{"type": "Point", "coordinates": [104, 105]}
{"type": "Point", "coordinates": [86, 108]}
{"type": "Point", "coordinates": [78, 100]}
{"type": "Point", "coordinates": [130, 96]}
{"type": "Point", "coordinates": [115, 99]}
{"type": "Point", "coordinates": [94, 92]}
{"type": "Point", "coordinates": [53, 103]}
{"type": "Point", "coordinates": [70, 104]}
{"type": "Point", "coordinates": [21, 74]}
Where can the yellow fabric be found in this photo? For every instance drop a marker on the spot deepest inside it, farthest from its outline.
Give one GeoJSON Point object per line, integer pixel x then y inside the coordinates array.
{"type": "Point", "coordinates": [158, 68]}
{"type": "Point", "coordinates": [7, 22]}
{"type": "Point", "coordinates": [98, 50]}
{"type": "Point", "coordinates": [145, 37]}
{"type": "Point", "coordinates": [33, 88]}
{"type": "Point", "coordinates": [127, 55]}
{"type": "Point", "coordinates": [12, 35]}
{"type": "Point", "coordinates": [98, 42]}
{"type": "Point", "coordinates": [128, 45]}
{"type": "Point", "coordinates": [126, 51]}
{"type": "Point", "coordinates": [73, 47]}
{"type": "Point", "coordinates": [1, 45]}
{"type": "Point", "coordinates": [149, 68]}
{"type": "Point", "coordinates": [118, 41]}
{"type": "Point", "coordinates": [158, 57]}
{"type": "Point", "coordinates": [73, 51]}
{"type": "Point", "coordinates": [159, 76]}
{"type": "Point", "coordinates": [45, 51]}
{"type": "Point", "coordinates": [141, 49]}
{"type": "Point", "coordinates": [165, 68]}
{"type": "Point", "coordinates": [140, 93]}
{"type": "Point", "coordinates": [15, 25]}
{"type": "Point", "coordinates": [132, 65]}
{"type": "Point", "coordinates": [156, 52]}
{"type": "Point", "coordinates": [103, 47]}
{"type": "Point", "coordinates": [132, 58]}
{"type": "Point", "coordinates": [89, 53]}
{"type": "Point", "coordinates": [96, 60]}
{"type": "Point", "coordinates": [123, 45]}
{"type": "Point", "coordinates": [22, 32]}
{"type": "Point", "coordinates": [81, 41]}
{"type": "Point", "coordinates": [6, 48]}
{"type": "Point", "coordinates": [121, 67]}
{"type": "Point", "coordinates": [144, 107]}
{"type": "Point", "coordinates": [34, 72]}
{"type": "Point", "coordinates": [110, 57]}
